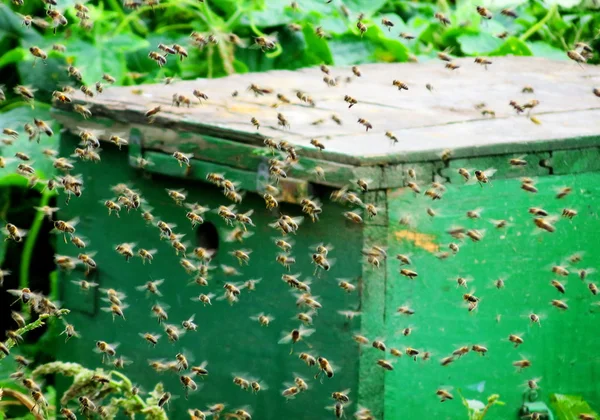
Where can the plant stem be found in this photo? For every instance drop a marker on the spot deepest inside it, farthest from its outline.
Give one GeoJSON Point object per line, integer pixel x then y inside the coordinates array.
{"type": "Point", "coordinates": [174, 27]}
{"type": "Point", "coordinates": [540, 23]}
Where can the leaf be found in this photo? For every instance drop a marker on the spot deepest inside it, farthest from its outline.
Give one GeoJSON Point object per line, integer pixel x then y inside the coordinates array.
{"type": "Point", "coordinates": [94, 61]}
{"type": "Point", "coordinates": [15, 119]}
{"type": "Point", "coordinates": [125, 42]}
{"type": "Point", "coordinates": [570, 406]}
{"type": "Point", "coordinates": [386, 49]}
{"type": "Point", "coordinates": [44, 77]}
{"type": "Point", "coordinates": [512, 46]}
{"type": "Point", "coordinates": [316, 48]}
{"type": "Point", "coordinates": [13, 56]}
{"type": "Point", "coordinates": [367, 7]}
{"type": "Point", "coordinates": [480, 44]}
{"type": "Point", "coordinates": [348, 51]}
{"type": "Point", "coordinates": [543, 49]}
{"type": "Point", "coordinates": [567, 4]}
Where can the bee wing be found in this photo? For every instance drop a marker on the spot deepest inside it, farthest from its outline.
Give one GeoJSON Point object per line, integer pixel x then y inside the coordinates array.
{"type": "Point", "coordinates": [285, 339]}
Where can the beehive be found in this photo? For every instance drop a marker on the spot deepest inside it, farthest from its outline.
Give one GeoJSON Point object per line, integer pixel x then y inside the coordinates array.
{"type": "Point", "coordinates": [439, 130]}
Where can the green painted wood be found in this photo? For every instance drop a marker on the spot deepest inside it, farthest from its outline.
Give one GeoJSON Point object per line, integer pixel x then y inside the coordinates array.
{"type": "Point", "coordinates": [227, 338]}
{"type": "Point", "coordinates": [500, 163]}
{"type": "Point", "coordinates": [292, 191]}
{"type": "Point", "coordinates": [371, 375]}
{"type": "Point", "coordinates": [225, 152]}
{"type": "Point", "coordinates": [575, 161]}
{"type": "Point", "coordinates": [563, 351]}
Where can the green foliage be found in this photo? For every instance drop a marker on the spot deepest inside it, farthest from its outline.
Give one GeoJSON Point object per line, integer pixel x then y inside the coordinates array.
{"type": "Point", "coordinates": [569, 407]}
{"type": "Point", "coordinates": [477, 410]}
{"type": "Point", "coordinates": [119, 41]}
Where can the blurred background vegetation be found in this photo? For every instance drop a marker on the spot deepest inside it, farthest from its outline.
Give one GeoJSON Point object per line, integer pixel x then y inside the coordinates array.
{"type": "Point", "coordinates": [117, 37]}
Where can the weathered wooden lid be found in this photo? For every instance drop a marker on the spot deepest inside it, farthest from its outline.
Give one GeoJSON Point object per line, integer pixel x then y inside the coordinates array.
{"type": "Point", "coordinates": [424, 122]}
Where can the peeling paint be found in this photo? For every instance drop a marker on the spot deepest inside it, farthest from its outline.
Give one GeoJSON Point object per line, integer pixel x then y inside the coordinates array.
{"type": "Point", "coordinates": [421, 240]}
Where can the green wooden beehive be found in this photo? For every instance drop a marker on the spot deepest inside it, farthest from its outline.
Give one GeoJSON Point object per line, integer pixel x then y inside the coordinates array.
{"type": "Point", "coordinates": [438, 131]}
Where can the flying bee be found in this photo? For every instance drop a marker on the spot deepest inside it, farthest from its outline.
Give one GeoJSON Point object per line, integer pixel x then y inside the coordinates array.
{"type": "Point", "coordinates": [522, 364]}
{"type": "Point", "coordinates": [475, 214]}
{"type": "Point", "coordinates": [151, 113]}
{"type": "Point", "coordinates": [353, 216]}
{"type": "Point", "coordinates": [576, 56]}
{"type": "Point", "coordinates": [14, 233]}
{"type": "Point", "coordinates": [444, 395]}
{"type": "Point", "coordinates": [241, 382]}
{"type": "Point", "coordinates": [82, 110]}
{"type": "Point", "coordinates": [442, 19]}
{"type": "Point", "coordinates": [569, 213]}
{"type": "Point", "coordinates": [484, 13]}
{"type": "Point", "coordinates": [264, 43]}
{"type": "Point", "coordinates": [365, 123]}
{"type": "Point", "coordinates": [25, 92]}
{"type": "Point", "coordinates": [325, 367]}
{"type": "Point", "coordinates": [126, 249]}
{"type": "Point", "coordinates": [362, 28]}
{"type": "Point", "coordinates": [400, 85]}
{"type": "Point", "coordinates": [296, 336]}
{"type": "Point", "coordinates": [107, 350]}
{"type": "Point", "coordinates": [560, 304]}
{"type": "Point", "coordinates": [452, 66]}
{"type": "Point", "coordinates": [116, 310]}
{"type": "Point", "coordinates": [483, 61]}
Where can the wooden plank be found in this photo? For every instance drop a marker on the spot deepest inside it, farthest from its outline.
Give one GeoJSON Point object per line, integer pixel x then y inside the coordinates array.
{"type": "Point", "coordinates": [425, 122]}
{"type": "Point", "coordinates": [225, 152]}
{"type": "Point", "coordinates": [292, 190]}
{"type": "Point", "coordinates": [565, 162]}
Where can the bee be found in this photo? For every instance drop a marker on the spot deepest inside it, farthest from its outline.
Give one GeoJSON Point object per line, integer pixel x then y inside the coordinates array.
{"type": "Point", "coordinates": [365, 123]}
{"type": "Point", "coordinates": [241, 382]}
{"type": "Point", "coordinates": [444, 395]}
{"type": "Point", "coordinates": [255, 122]}
{"type": "Point", "coordinates": [477, 348]}
{"type": "Point", "coordinates": [387, 365]}
{"type": "Point", "coordinates": [569, 213]}
{"type": "Point", "coordinates": [483, 177]}
{"type": "Point", "coordinates": [160, 312]}
{"type": "Point", "coordinates": [405, 310]}
{"type": "Point", "coordinates": [483, 61]}
{"type": "Point", "coordinates": [126, 249]}
{"type": "Point", "coordinates": [452, 66]}
{"type": "Point", "coordinates": [522, 364]}
{"type": "Point", "coordinates": [164, 399]}
{"type": "Point", "coordinates": [509, 13]}
{"type": "Point", "coordinates": [353, 217]}
{"type": "Point", "coordinates": [14, 233]}
{"type": "Point", "coordinates": [25, 92]}
{"type": "Point", "coordinates": [116, 310]}
{"type": "Point", "coordinates": [362, 28]}
{"type": "Point", "coordinates": [200, 370]}
{"type": "Point", "coordinates": [585, 416]}
{"type": "Point", "coordinates": [151, 113]}
{"type": "Point", "coordinates": [296, 335]}
{"type": "Point", "coordinates": [596, 92]}
{"type": "Point", "coordinates": [560, 304]}
{"type": "Point", "coordinates": [400, 85]}
{"type": "Point", "coordinates": [484, 13]}
{"type": "Point", "coordinates": [442, 19]}
{"type": "Point", "coordinates": [106, 349]}
{"type": "Point", "coordinates": [205, 298]}
{"type": "Point", "coordinates": [576, 56]}
{"type": "Point", "coordinates": [407, 36]}
{"type": "Point", "coordinates": [265, 43]}
{"type": "Point", "coordinates": [325, 367]}
{"type": "Point", "coordinates": [82, 110]}
{"type": "Point", "coordinates": [391, 136]}
{"type": "Point", "coordinates": [356, 71]}
{"type": "Point", "coordinates": [408, 273]}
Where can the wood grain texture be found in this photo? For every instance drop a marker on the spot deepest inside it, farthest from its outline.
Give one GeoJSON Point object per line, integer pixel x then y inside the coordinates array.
{"type": "Point", "coordinates": [424, 122]}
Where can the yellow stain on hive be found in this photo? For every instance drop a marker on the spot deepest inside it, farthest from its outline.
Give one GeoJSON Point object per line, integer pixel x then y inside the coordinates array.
{"type": "Point", "coordinates": [421, 240]}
